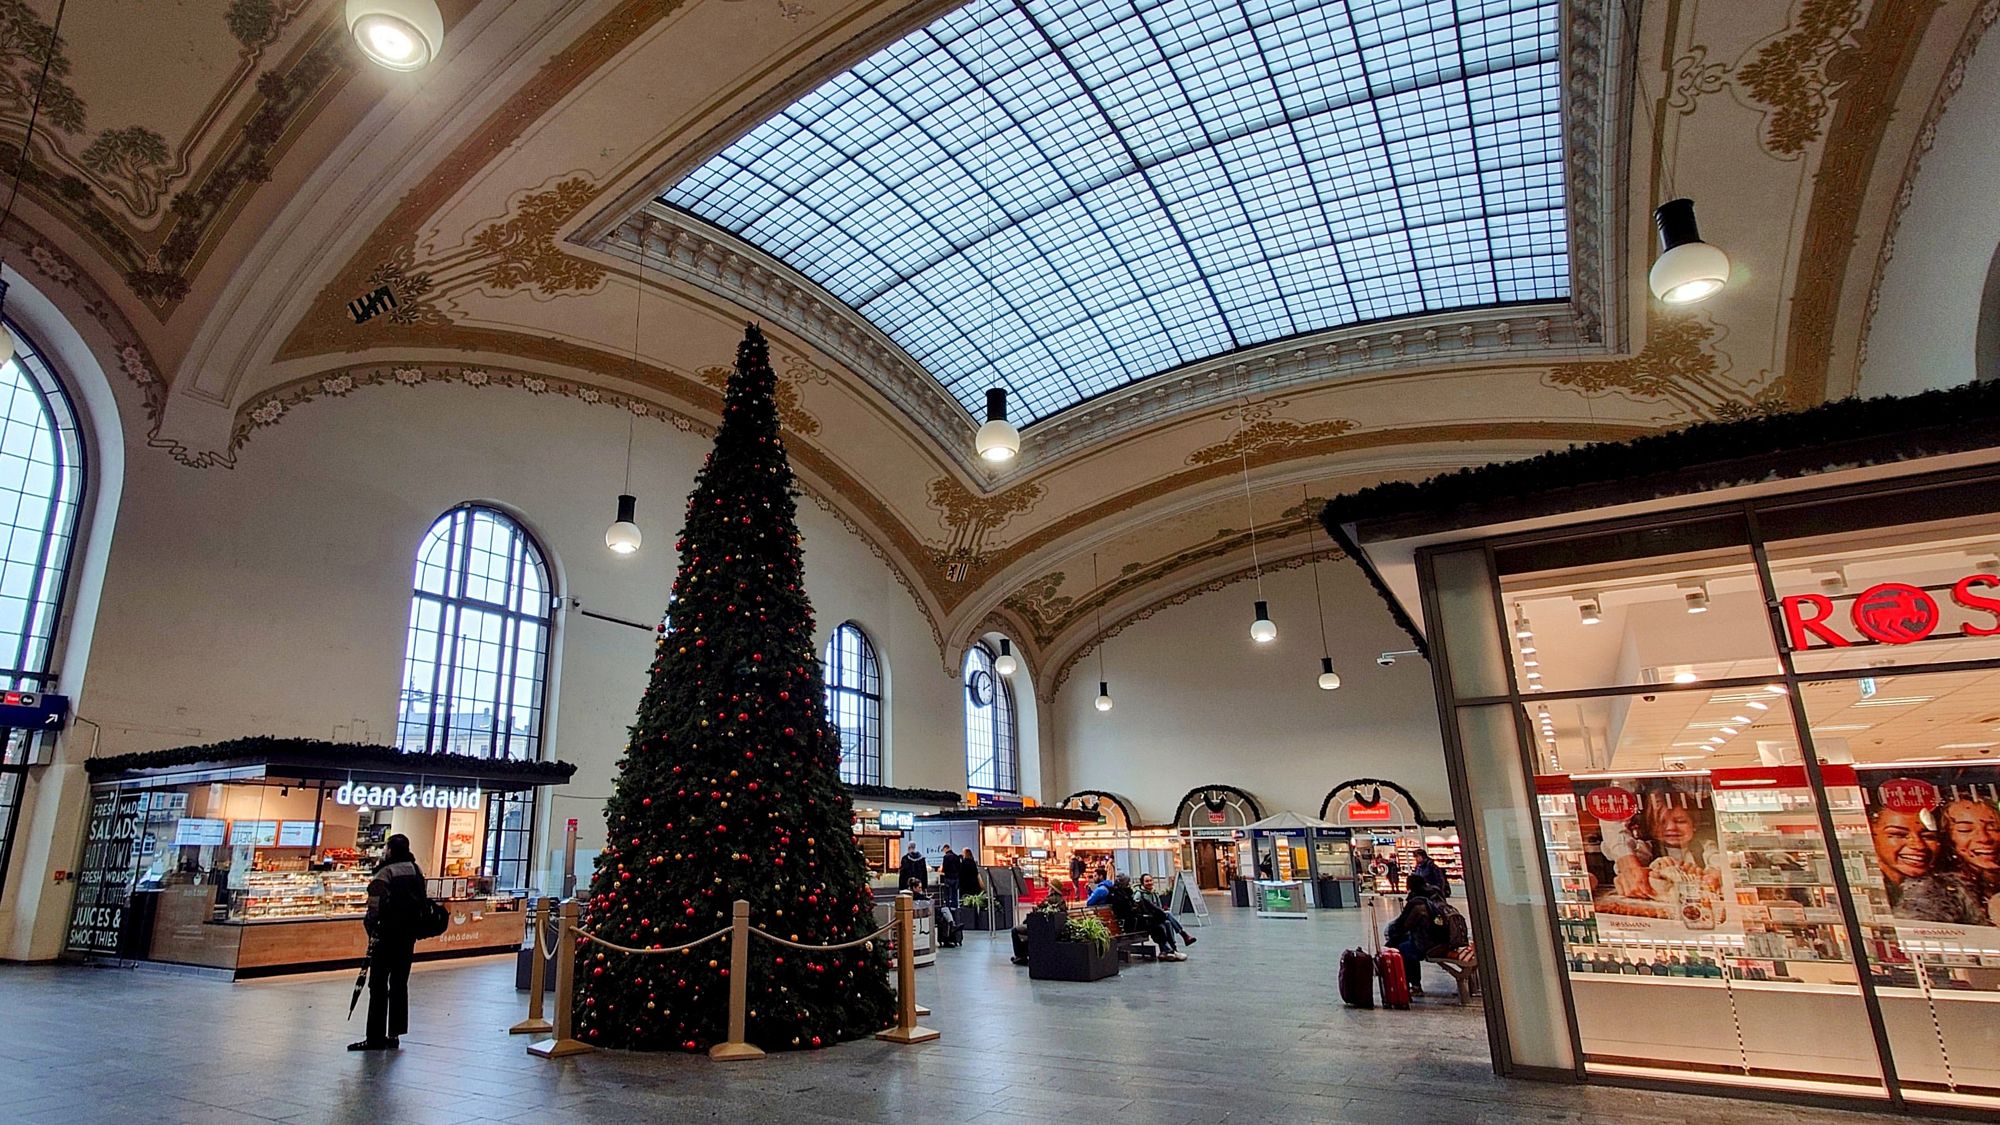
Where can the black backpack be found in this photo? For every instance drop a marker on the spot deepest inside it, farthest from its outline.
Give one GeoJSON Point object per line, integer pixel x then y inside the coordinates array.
{"type": "Point", "coordinates": [1457, 933]}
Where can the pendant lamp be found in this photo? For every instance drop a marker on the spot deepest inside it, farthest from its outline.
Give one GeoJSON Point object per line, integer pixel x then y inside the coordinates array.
{"type": "Point", "coordinates": [1005, 664]}
{"type": "Point", "coordinates": [401, 35]}
{"type": "Point", "coordinates": [997, 440]}
{"type": "Point", "coordinates": [1688, 269]}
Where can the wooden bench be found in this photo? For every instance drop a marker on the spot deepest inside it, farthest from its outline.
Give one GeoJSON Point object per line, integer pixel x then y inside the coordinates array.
{"type": "Point", "coordinates": [1463, 968]}
{"type": "Point", "coordinates": [1126, 945]}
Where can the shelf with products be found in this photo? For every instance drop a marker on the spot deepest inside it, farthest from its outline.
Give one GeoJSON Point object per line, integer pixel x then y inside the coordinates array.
{"type": "Point", "coordinates": [299, 895]}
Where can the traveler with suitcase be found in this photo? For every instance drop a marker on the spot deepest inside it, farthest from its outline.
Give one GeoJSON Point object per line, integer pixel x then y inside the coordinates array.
{"type": "Point", "coordinates": [1416, 933]}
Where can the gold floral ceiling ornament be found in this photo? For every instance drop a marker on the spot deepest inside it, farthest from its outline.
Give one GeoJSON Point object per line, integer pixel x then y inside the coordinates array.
{"type": "Point", "coordinates": [791, 414]}
{"type": "Point", "coordinates": [1678, 365]}
{"type": "Point", "coordinates": [970, 518]}
{"type": "Point", "coordinates": [1799, 72]}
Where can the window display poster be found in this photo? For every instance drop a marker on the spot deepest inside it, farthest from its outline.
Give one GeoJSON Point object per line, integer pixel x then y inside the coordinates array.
{"type": "Point", "coordinates": [106, 875]}
{"type": "Point", "coordinates": [1936, 834]}
{"type": "Point", "coordinates": [1654, 858]}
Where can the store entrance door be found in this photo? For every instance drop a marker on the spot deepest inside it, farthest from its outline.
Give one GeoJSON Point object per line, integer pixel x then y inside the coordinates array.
{"type": "Point", "coordinates": [1207, 865]}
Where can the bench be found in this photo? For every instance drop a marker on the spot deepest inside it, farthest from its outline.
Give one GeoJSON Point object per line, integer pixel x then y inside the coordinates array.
{"type": "Point", "coordinates": [1462, 966]}
{"type": "Point", "coordinates": [1125, 945]}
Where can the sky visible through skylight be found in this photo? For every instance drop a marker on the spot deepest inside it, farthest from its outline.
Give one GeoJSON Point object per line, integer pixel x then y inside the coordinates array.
{"type": "Point", "coordinates": [1062, 198]}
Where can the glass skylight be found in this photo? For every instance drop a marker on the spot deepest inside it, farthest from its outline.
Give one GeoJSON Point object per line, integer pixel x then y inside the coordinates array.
{"type": "Point", "coordinates": [1064, 197]}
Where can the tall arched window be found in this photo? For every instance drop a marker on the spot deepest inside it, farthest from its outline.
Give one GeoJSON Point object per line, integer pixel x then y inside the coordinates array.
{"type": "Point", "coordinates": [854, 703]}
{"type": "Point", "coordinates": [41, 496]}
{"type": "Point", "coordinates": [992, 743]}
{"type": "Point", "coordinates": [477, 663]}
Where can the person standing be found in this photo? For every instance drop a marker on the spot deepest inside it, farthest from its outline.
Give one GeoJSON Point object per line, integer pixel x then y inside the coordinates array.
{"type": "Point", "coordinates": [1428, 871]}
{"type": "Point", "coordinates": [394, 896]}
{"type": "Point", "coordinates": [948, 877]}
{"type": "Point", "coordinates": [1076, 867]}
{"type": "Point", "coordinates": [912, 873]}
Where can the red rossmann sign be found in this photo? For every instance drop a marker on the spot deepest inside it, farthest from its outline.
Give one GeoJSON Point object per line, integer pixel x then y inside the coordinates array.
{"type": "Point", "coordinates": [1891, 613]}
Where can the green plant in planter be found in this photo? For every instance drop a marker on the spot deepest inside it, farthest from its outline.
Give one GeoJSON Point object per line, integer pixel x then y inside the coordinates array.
{"type": "Point", "coordinates": [1088, 928]}
{"type": "Point", "coordinates": [978, 900]}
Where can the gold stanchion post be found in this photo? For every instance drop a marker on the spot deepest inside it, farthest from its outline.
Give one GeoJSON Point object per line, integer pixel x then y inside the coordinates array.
{"type": "Point", "coordinates": [536, 1023]}
{"type": "Point", "coordinates": [563, 1043]}
{"type": "Point", "coordinates": [739, 989]}
{"type": "Point", "coordinates": [906, 1029]}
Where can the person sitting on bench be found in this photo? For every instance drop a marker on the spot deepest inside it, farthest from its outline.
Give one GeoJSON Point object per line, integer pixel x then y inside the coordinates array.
{"type": "Point", "coordinates": [1418, 930]}
{"type": "Point", "coordinates": [1139, 917]}
{"type": "Point", "coordinates": [1150, 894]}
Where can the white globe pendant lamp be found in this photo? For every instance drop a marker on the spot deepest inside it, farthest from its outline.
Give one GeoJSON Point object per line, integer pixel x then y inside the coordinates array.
{"type": "Point", "coordinates": [1263, 630]}
{"type": "Point", "coordinates": [1103, 695]}
{"type": "Point", "coordinates": [402, 35]}
{"type": "Point", "coordinates": [997, 440]}
{"type": "Point", "coordinates": [1328, 678]}
{"type": "Point", "coordinates": [1005, 664]}
{"type": "Point", "coordinates": [1688, 269]}
{"type": "Point", "coordinates": [623, 535]}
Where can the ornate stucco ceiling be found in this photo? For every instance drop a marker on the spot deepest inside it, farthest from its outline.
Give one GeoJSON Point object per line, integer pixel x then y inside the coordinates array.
{"type": "Point", "coordinates": [221, 194]}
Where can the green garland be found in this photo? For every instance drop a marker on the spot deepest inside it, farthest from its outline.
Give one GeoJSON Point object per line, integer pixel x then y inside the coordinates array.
{"type": "Point", "coordinates": [318, 752]}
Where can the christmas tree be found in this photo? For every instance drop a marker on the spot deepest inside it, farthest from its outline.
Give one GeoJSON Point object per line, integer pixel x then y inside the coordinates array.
{"type": "Point", "coordinates": [730, 785]}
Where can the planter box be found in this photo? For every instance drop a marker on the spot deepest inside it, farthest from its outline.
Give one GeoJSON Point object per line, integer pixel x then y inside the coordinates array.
{"type": "Point", "coordinates": [1052, 959]}
{"type": "Point", "coordinates": [1002, 915]}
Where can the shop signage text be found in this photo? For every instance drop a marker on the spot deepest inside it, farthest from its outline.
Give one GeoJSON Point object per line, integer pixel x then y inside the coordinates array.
{"type": "Point", "coordinates": [1358, 811]}
{"type": "Point", "coordinates": [406, 797]}
{"type": "Point", "coordinates": [1611, 802]}
{"type": "Point", "coordinates": [1890, 613]}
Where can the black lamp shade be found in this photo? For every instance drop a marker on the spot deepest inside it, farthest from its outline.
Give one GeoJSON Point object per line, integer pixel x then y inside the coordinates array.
{"type": "Point", "coordinates": [1676, 223]}
{"type": "Point", "coordinates": [1263, 610]}
{"type": "Point", "coordinates": [628, 507]}
{"type": "Point", "coordinates": [1004, 648]}
{"type": "Point", "coordinates": [996, 404]}
{"type": "Point", "coordinates": [1326, 664]}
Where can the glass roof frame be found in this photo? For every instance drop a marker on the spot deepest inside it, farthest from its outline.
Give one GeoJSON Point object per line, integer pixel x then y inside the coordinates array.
{"type": "Point", "coordinates": [1453, 200]}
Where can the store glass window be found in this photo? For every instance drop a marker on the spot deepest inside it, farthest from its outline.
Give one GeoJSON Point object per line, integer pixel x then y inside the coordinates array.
{"type": "Point", "coordinates": [478, 650]}
{"type": "Point", "coordinates": [854, 703]}
{"type": "Point", "coordinates": [992, 746]}
{"type": "Point", "coordinates": [41, 497]}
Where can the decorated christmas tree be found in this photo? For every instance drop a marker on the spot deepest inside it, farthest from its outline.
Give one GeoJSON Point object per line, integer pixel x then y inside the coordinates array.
{"type": "Point", "coordinates": [730, 785]}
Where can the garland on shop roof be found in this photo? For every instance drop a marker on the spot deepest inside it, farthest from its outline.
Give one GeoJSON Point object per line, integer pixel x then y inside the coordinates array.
{"type": "Point", "coordinates": [1703, 457]}
{"type": "Point", "coordinates": [892, 793]}
{"type": "Point", "coordinates": [335, 755]}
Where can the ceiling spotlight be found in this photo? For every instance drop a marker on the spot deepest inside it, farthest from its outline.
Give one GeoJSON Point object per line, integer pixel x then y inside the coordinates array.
{"type": "Point", "coordinates": [997, 440]}
{"type": "Point", "coordinates": [1717, 739]}
{"type": "Point", "coordinates": [1688, 269]}
{"type": "Point", "coordinates": [1527, 650]}
{"type": "Point", "coordinates": [1536, 687]}
{"type": "Point", "coordinates": [1103, 695]}
{"type": "Point", "coordinates": [1730, 731]}
{"type": "Point", "coordinates": [1531, 664]}
{"type": "Point", "coordinates": [1834, 584]}
{"type": "Point", "coordinates": [1263, 630]}
{"type": "Point", "coordinates": [1005, 664]}
{"type": "Point", "coordinates": [1756, 706]}
{"type": "Point", "coordinates": [1739, 718]}
{"type": "Point", "coordinates": [623, 535]}
{"type": "Point", "coordinates": [1697, 600]}
{"type": "Point", "coordinates": [1776, 689]}
{"type": "Point", "coordinates": [1328, 678]}
{"type": "Point", "coordinates": [1685, 677]}
{"type": "Point", "coordinates": [1534, 675]}
{"type": "Point", "coordinates": [397, 34]}
{"type": "Point", "coordinates": [1590, 611]}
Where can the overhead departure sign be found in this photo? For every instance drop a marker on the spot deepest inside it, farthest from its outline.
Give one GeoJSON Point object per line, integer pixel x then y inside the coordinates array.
{"type": "Point", "coordinates": [33, 710]}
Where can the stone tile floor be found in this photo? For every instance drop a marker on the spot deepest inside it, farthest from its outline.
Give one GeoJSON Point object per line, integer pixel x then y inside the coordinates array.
{"type": "Point", "coordinates": [1248, 1030]}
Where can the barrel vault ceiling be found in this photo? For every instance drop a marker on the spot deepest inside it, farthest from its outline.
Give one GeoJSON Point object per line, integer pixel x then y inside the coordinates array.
{"type": "Point", "coordinates": [250, 221]}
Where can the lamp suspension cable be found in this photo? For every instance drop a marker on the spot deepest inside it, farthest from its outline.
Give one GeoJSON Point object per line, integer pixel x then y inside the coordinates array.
{"type": "Point", "coordinates": [1103, 684]}
{"type": "Point", "coordinates": [1328, 678]}
{"type": "Point", "coordinates": [1262, 629]}
{"type": "Point", "coordinates": [7, 345]}
{"type": "Point", "coordinates": [623, 536]}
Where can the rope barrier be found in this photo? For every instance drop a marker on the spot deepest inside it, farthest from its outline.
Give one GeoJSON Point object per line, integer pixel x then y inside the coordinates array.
{"type": "Point", "coordinates": [862, 940]}
{"type": "Point", "coordinates": [595, 940]}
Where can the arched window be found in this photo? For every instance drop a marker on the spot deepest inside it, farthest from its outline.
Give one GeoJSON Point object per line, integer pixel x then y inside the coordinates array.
{"type": "Point", "coordinates": [41, 496]}
{"type": "Point", "coordinates": [477, 663]}
{"type": "Point", "coordinates": [992, 743]}
{"type": "Point", "coordinates": [854, 703]}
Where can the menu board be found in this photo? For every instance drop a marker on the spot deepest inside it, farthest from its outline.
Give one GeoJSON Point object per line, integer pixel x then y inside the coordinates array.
{"type": "Point", "coordinates": [253, 833]}
{"type": "Point", "coordinates": [105, 878]}
{"type": "Point", "coordinates": [192, 832]}
{"type": "Point", "coordinates": [298, 834]}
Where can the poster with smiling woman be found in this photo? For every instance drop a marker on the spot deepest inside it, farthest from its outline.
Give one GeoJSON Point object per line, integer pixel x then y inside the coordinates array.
{"type": "Point", "coordinates": [1936, 839]}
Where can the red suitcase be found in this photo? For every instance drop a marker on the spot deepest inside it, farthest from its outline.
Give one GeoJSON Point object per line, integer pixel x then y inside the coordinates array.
{"type": "Point", "coordinates": [1395, 985]}
{"type": "Point", "coordinates": [1357, 979]}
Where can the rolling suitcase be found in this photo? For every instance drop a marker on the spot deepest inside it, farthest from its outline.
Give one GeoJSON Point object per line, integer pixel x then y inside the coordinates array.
{"type": "Point", "coordinates": [1357, 979]}
{"type": "Point", "coordinates": [1395, 985]}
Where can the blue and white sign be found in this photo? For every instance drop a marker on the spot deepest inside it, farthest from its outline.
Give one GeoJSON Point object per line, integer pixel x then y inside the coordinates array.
{"type": "Point", "coordinates": [33, 710]}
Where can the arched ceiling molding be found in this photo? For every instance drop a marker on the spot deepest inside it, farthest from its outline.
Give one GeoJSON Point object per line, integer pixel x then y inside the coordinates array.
{"type": "Point", "coordinates": [1215, 797]}
{"type": "Point", "coordinates": [1863, 102]}
{"type": "Point", "coordinates": [1976, 27]}
{"type": "Point", "coordinates": [1376, 783]}
{"type": "Point", "coordinates": [1596, 112]}
{"type": "Point", "coordinates": [819, 477]}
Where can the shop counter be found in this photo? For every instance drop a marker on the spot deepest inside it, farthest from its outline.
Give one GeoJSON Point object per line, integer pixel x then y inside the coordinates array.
{"type": "Point", "coordinates": [185, 932]}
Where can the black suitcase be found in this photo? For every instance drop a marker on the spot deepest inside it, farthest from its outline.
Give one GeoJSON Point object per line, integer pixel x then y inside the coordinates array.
{"type": "Point", "coordinates": [1357, 979]}
{"type": "Point", "coordinates": [950, 935]}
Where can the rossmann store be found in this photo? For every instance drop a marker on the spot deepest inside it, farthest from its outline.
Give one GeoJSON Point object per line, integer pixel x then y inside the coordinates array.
{"type": "Point", "coordinates": [1723, 706]}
